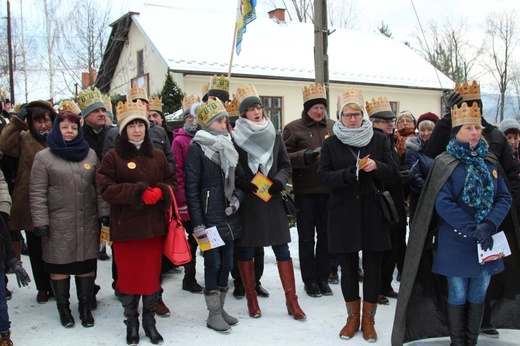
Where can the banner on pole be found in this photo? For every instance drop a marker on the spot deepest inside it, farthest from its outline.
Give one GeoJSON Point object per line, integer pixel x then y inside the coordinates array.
{"type": "Point", "coordinates": [246, 14]}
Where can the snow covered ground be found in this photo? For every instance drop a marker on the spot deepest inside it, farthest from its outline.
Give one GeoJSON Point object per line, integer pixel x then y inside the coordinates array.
{"type": "Point", "coordinates": [38, 324]}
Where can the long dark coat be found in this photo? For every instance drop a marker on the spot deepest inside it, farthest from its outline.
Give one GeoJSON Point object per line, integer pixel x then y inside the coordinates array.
{"type": "Point", "coordinates": [355, 218]}
{"type": "Point", "coordinates": [265, 224]}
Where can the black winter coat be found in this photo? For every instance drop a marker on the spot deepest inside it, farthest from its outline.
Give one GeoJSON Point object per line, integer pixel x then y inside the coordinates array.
{"type": "Point", "coordinates": [355, 218]}
{"type": "Point", "coordinates": [204, 188]}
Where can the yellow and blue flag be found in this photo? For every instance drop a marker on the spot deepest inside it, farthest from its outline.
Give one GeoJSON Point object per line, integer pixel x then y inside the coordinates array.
{"type": "Point", "coordinates": [246, 14]}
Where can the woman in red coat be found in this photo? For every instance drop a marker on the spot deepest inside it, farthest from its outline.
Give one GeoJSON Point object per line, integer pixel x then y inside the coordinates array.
{"type": "Point", "coordinates": [134, 178]}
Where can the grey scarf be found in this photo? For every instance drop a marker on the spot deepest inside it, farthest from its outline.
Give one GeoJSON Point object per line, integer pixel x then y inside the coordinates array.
{"type": "Point", "coordinates": [220, 150]}
{"type": "Point", "coordinates": [358, 138]}
{"type": "Point", "coordinates": [258, 141]}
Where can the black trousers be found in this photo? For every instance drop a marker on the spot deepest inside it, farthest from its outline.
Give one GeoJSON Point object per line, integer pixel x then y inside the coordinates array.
{"type": "Point", "coordinates": [40, 275]}
{"type": "Point", "coordinates": [391, 257]}
{"type": "Point", "coordinates": [311, 222]}
{"type": "Point", "coordinates": [349, 263]}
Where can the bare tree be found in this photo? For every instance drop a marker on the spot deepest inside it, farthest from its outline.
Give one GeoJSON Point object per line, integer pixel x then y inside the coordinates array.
{"type": "Point", "coordinates": [502, 36]}
{"type": "Point", "coordinates": [384, 30]}
{"type": "Point", "coordinates": [449, 50]}
{"type": "Point", "coordinates": [52, 30]}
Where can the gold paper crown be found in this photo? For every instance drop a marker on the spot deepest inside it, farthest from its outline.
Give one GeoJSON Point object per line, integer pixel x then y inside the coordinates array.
{"type": "Point", "coordinates": [156, 104]}
{"type": "Point", "coordinates": [245, 92]}
{"type": "Point", "coordinates": [68, 105]}
{"type": "Point", "coordinates": [314, 91]}
{"type": "Point", "coordinates": [205, 89]}
{"type": "Point", "coordinates": [88, 98]}
{"type": "Point", "coordinates": [210, 110]}
{"type": "Point", "coordinates": [469, 92]}
{"type": "Point", "coordinates": [130, 108]}
{"type": "Point", "coordinates": [188, 100]}
{"type": "Point", "coordinates": [380, 104]}
{"type": "Point", "coordinates": [466, 115]}
{"type": "Point", "coordinates": [232, 108]}
{"type": "Point", "coordinates": [108, 103]}
{"type": "Point", "coordinates": [350, 96]}
{"type": "Point", "coordinates": [219, 83]}
{"type": "Point", "coordinates": [137, 92]}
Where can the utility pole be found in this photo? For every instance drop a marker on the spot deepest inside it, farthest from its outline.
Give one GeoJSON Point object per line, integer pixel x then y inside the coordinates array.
{"type": "Point", "coordinates": [10, 49]}
{"type": "Point", "coordinates": [321, 42]}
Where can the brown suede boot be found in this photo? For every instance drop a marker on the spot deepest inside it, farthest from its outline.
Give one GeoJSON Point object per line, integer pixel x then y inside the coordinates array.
{"type": "Point", "coordinates": [353, 320]}
{"type": "Point", "coordinates": [247, 272]}
{"type": "Point", "coordinates": [286, 271]}
{"type": "Point", "coordinates": [367, 321]}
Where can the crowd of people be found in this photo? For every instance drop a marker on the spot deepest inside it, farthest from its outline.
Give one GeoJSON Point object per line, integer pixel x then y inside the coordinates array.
{"type": "Point", "coordinates": [380, 196]}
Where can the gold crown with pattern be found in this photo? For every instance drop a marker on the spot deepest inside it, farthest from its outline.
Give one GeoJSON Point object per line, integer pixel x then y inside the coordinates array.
{"type": "Point", "coordinates": [137, 92]}
{"type": "Point", "coordinates": [469, 92]}
{"type": "Point", "coordinates": [466, 115]}
{"type": "Point", "coordinates": [205, 89]}
{"type": "Point", "coordinates": [380, 104]}
{"type": "Point", "coordinates": [232, 108]}
{"type": "Point", "coordinates": [69, 105]}
{"type": "Point", "coordinates": [188, 100]}
{"type": "Point", "coordinates": [211, 110]}
{"type": "Point", "coordinates": [219, 83]}
{"type": "Point", "coordinates": [314, 91]}
{"type": "Point", "coordinates": [88, 98]}
{"type": "Point", "coordinates": [350, 96]}
{"type": "Point", "coordinates": [108, 102]}
{"type": "Point", "coordinates": [156, 104]}
{"type": "Point", "coordinates": [245, 92]}
{"type": "Point", "coordinates": [130, 108]}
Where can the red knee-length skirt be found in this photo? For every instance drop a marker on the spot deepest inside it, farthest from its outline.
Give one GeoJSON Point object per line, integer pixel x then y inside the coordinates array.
{"type": "Point", "coordinates": [138, 265]}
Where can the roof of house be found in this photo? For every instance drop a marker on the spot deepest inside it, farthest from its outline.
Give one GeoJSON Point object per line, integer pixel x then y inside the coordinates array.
{"type": "Point", "coordinates": [200, 43]}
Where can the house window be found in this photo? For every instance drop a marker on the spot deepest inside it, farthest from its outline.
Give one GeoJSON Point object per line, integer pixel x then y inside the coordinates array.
{"type": "Point", "coordinates": [273, 110]}
{"type": "Point", "coordinates": [394, 106]}
{"type": "Point", "coordinates": [140, 62]}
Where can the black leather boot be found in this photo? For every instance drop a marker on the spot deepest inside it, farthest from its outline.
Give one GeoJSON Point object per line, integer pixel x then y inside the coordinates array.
{"type": "Point", "coordinates": [85, 289]}
{"type": "Point", "coordinates": [130, 303]}
{"type": "Point", "coordinates": [149, 304]}
{"type": "Point", "coordinates": [457, 324]}
{"type": "Point", "coordinates": [61, 290]}
{"type": "Point", "coordinates": [473, 322]}
{"type": "Point", "coordinates": [189, 283]}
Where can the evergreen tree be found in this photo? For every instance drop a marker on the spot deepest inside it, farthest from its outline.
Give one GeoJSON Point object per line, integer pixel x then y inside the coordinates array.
{"type": "Point", "coordinates": [171, 95]}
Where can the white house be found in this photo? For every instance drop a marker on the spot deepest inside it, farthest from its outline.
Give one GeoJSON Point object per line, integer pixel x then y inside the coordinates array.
{"type": "Point", "coordinates": [277, 57]}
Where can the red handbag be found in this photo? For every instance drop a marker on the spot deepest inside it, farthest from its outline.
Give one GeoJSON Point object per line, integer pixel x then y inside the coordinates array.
{"type": "Point", "coordinates": [176, 246]}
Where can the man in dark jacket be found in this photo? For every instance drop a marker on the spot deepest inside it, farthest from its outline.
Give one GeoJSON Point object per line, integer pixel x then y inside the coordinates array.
{"type": "Point", "coordinates": [303, 138]}
{"type": "Point", "coordinates": [93, 111]}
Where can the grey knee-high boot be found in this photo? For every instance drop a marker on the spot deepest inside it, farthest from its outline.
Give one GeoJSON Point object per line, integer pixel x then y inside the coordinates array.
{"type": "Point", "coordinates": [227, 317]}
{"type": "Point", "coordinates": [215, 320]}
{"type": "Point", "coordinates": [130, 304]}
{"type": "Point", "coordinates": [149, 304]}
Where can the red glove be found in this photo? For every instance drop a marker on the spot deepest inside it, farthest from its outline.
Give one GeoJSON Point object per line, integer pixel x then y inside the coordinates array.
{"type": "Point", "coordinates": [149, 197]}
{"type": "Point", "coordinates": [157, 192]}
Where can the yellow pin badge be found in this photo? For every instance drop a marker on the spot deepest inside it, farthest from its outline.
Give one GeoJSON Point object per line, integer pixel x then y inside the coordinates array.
{"type": "Point", "coordinates": [87, 165]}
{"type": "Point", "coordinates": [495, 174]}
{"type": "Point", "coordinates": [131, 165]}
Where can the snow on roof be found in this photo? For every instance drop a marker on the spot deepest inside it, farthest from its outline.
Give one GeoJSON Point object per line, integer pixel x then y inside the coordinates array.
{"type": "Point", "coordinates": [200, 42]}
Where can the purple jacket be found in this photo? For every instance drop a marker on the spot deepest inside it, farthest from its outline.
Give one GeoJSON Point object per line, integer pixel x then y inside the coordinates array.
{"type": "Point", "coordinates": [180, 145]}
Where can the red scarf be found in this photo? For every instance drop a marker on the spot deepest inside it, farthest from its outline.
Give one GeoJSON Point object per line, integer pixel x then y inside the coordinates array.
{"type": "Point", "coordinates": [400, 138]}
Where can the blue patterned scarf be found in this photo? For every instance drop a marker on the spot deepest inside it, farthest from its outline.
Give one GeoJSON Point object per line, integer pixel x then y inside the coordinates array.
{"type": "Point", "coordinates": [478, 186]}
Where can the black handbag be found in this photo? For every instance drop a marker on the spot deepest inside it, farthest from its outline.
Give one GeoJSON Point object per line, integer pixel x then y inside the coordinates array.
{"type": "Point", "coordinates": [291, 208]}
{"type": "Point", "coordinates": [387, 206]}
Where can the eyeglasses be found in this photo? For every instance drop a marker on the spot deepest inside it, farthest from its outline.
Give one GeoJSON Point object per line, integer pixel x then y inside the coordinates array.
{"type": "Point", "coordinates": [43, 122]}
{"type": "Point", "coordinates": [252, 108]}
{"type": "Point", "coordinates": [318, 108]}
{"type": "Point", "coordinates": [405, 121]}
{"type": "Point", "coordinates": [381, 121]}
{"type": "Point", "coordinates": [356, 115]}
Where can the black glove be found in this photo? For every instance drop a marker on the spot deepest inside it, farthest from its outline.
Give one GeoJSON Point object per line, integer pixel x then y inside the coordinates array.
{"type": "Point", "coordinates": [310, 156]}
{"type": "Point", "coordinates": [349, 175]}
{"type": "Point", "coordinates": [22, 112]}
{"type": "Point", "coordinates": [406, 176]}
{"type": "Point", "coordinates": [245, 185]}
{"type": "Point", "coordinates": [483, 231]}
{"type": "Point", "coordinates": [455, 99]}
{"type": "Point", "coordinates": [41, 231]}
{"type": "Point", "coordinates": [104, 220]}
{"type": "Point", "coordinates": [276, 187]}
{"type": "Point", "coordinates": [487, 244]}
{"type": "Point", "coordinates": [5, 216]}
{"type": "Point", "coordinates": [22, 277]}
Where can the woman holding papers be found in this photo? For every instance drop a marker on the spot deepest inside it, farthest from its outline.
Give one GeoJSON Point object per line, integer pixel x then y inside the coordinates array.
{"type": "Point", "coordinates": [468, 199]}
{"type": "Point", "coordinates": [264, 160]}
{"type": "Point", "coordinates": [213, 202]}
{"type": "Point", "coordinates": [134, 178]}
{"type": "Point", "coordinates": [356, 162]}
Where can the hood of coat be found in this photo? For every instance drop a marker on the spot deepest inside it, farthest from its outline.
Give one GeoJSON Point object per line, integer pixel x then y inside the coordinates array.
{"type": "Point", "coordinates": [414, 143]}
